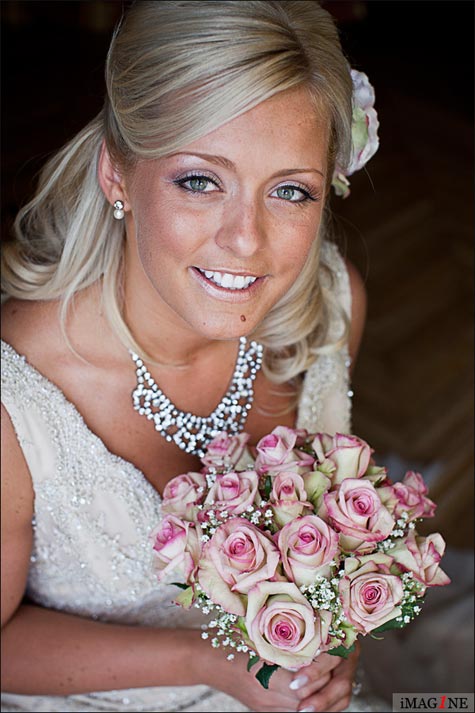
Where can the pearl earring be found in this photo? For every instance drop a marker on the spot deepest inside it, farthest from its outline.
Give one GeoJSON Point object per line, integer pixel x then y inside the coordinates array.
{"type": "Point", "coordinates": [119, 210]}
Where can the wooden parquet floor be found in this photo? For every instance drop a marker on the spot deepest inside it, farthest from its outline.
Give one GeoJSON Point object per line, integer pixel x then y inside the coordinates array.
{"type": "Point", "coordinates": [408, 222]}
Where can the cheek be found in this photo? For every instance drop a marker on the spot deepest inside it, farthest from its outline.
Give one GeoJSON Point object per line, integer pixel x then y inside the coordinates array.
{"type": "Point", "coordinates": [293, 242]}
{"type": "Point", "coordinates": [162, 235]}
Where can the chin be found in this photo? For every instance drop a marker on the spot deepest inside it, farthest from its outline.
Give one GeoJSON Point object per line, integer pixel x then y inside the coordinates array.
{"type": "Point", "coordinates": [227, 329]}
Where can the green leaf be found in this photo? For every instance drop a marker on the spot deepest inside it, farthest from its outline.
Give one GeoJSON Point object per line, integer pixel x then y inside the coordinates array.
{"type": "Point", "coordinates": [264, 674]}
{"type": "Point", "coordinates": [185, 598]}
{"type": "Point", "coordinates": [341, 651]}
{"type": "Point", "coordinates": [180, 584]}
{"type": "Point", "coordinates": [393, 624]}
{"type": "Point", "coordinates": [252, 661]}
{"type": "Point", "coordinates": [267, 486]}
{"type": "Point", "coordinates": [241, 625]}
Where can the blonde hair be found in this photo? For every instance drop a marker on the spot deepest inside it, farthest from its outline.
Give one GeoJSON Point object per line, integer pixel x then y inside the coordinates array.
{"type": "Point", "coordinates": [176, 71]}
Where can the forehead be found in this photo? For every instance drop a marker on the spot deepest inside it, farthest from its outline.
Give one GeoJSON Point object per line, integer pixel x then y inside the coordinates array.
{"type": "Point", "coordinates": [287, 125]}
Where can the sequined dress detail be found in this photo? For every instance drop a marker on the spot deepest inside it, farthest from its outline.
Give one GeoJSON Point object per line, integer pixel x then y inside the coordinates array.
{"type": "Point", "coordinates": [94, 512]}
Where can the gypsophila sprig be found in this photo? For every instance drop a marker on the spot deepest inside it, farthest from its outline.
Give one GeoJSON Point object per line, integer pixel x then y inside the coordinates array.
{"type": "Point", "coordinates": [302, 522]}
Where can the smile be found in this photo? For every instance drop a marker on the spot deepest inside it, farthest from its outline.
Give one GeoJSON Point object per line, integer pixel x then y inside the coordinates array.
{"type": "Point", "coordinates": [228, 281]}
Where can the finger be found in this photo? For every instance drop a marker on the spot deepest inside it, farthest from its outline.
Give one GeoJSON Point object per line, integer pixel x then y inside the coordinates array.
{"type": "Point", "coordinates": [313, 686]}
{"type": "Point", "coordinates": [336, 692]}
{"type": "Point", "coordinates": [336, 696]}
{"type": "Point", "coordinates": [327, 662]}
{"type": "Point", "coordinates": [340, 705]}
{"type": "Point", "coordinates": [318, 669]}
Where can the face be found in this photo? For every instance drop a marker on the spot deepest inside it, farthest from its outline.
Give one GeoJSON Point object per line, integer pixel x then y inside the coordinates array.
{"type": "Point", "coordinates": [221, 230]}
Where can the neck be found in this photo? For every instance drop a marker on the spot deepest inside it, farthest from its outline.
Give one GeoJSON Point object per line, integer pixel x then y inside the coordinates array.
{"type": "Point", "coordinates": [159, 331]}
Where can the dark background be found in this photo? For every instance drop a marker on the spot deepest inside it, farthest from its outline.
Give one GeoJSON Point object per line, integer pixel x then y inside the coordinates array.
{"type": "Point", "coordinates": [408, 226]}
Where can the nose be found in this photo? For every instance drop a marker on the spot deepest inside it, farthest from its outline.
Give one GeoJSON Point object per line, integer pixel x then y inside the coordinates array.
{"type": "Point", "coordinates": [242, 231]}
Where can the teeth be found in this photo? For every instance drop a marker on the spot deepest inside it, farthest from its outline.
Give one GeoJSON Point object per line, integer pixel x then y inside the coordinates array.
{"type": "Point", "coordinates": [228, 281]}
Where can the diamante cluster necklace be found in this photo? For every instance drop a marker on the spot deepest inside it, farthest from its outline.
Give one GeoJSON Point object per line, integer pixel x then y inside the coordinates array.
{"type": "Point", "coordinates": [192, 433]}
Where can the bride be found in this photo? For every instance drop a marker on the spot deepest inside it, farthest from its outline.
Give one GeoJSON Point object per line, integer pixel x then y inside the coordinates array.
{"type": "Point", "coordinates": [185, 227]}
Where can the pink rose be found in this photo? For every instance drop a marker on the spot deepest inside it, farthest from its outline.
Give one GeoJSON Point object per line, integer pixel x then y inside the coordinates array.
{"type": "Point", "coordinates": [351, 457]}
{"type": "Point", "coordinates": [321, 444]}
{"type": "Point", "coordinates": [233, 492]}
{"type": "Point", "coordinates": [283, 628]}
{"type": "Point", "coordinates": [176, 547]}
{"type": "Point", "coordinates": [370, 595]}
{"type": "Point", "coordinates": [288, 498]}
{"type": "Point", "coordinates": [356, 511]}
{"type": "Point", "coordinates": [421, 556]}
{"type": "Point", "coordinates": [236, 557]}
{"type": "Point", "coordinates": [183, 494]}
{"type": "Point", "coordinates": [307, 545]}
{"type": "Point", "coordinates": [276, 452]}
{"type": "Point", "coordinates": [225, 450]}
{"type": "Point", "coordinates": [410, 497]}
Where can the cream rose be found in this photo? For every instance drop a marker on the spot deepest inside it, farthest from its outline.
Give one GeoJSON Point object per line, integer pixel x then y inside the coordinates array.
{"type": "Point", "coordinates": [421, 556]}
{"type": "Point", "coordinates": [288, 498]}
{"type": "Point", "coordinates": [233, 492]}
{"type": "Point", "coordinates": [176, 546]}
{"type": "Point", "coordinates": [236, 557]}
{"type": "Point", "coordinates": [356, 511]}
{"type": "Point", "coordinates": [370, 595]}
{"type": "Point", "coordinates": [226, 450]}
{"type": "Point", "coordinates": [307, 545]}
{"type": "Point", "coordinates": [282, 626]}
{"type": "Point", "coordinates": [183, 494]}
{"type": "Point", "coordinates": [411, 497]}
{"type": "Point", "coordinates": [351, 457]}
{"type": "Point", "coordinates": [277, 452]}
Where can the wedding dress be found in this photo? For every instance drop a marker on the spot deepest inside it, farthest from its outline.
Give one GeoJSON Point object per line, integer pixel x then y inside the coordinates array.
{"type": "Point", "coordinates": [94, 511]}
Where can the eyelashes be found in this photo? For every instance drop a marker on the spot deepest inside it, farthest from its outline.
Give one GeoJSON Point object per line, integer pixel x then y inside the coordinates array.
{"type": "Point", "coordinates": [200, 183]}
{"type": "Point", "coordinates": [288, 191]}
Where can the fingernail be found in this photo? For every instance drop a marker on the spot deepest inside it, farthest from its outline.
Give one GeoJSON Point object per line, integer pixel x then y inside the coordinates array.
{"type": "Point", "coordinates": [298, 682]}
{"type": "Point", "coordinates": [304, 710]}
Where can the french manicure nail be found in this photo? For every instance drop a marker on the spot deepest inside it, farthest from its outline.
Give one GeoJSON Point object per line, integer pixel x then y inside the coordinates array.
{"type": "Point", "coordinates": [298, 682]}
{"type": "Point", "coordinates": [307, 710]}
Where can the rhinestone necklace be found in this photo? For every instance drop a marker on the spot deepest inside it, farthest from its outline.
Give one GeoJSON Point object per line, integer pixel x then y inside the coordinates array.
{"type": "Point", "coordinates": [192, 433]}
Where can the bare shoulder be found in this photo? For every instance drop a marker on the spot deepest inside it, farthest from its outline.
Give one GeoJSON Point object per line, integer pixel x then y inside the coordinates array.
{"type": "Point", "coordinates": [16, 521]}
{"type": "Point", "coordinates": [30, 326]}
{"type": "Point", "coordinates": [358, 308]}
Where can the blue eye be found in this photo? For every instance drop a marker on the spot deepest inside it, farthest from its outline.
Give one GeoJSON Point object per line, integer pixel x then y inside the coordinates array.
{"type": "Point", "coordinates": [293, 194]}
{"type": "Point", "coordinates": [197, 183]}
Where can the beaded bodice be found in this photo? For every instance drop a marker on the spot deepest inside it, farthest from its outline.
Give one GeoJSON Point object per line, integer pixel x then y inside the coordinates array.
{"type": "Point", "coordinates": [94, 511]}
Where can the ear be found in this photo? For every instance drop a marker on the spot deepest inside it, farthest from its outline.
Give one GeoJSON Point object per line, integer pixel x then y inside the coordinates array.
{"type": "Point", "coordinates": [110, 179]}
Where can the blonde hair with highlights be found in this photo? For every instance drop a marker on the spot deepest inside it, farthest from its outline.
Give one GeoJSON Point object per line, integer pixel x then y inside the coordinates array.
{"type": "Point", "coordinates": [176, 71]}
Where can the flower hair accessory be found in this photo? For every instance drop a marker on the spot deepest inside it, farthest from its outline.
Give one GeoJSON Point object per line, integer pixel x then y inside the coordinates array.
{"type": "Point", "coordinates": [364, 133]}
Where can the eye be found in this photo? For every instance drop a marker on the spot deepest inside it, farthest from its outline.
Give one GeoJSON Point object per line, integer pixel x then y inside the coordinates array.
{"type": "Point", "coordinates": [197, 183]}
{"type": "Point", "coordinates": [293, 194]}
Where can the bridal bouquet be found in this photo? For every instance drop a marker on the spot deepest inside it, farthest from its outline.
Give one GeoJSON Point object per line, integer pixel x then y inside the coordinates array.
{"type": "Point", "coordinates": [298, 547]}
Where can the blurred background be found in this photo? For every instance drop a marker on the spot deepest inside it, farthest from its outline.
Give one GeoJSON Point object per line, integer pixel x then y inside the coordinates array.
{"type": "Point", "coordinates": [408, 226]}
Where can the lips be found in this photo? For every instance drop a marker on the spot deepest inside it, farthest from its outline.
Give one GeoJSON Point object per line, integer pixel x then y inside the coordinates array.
{"type": "Point", "coordinates": [216, 284]}
{"type": "Point", "coordinates": [228, 280]}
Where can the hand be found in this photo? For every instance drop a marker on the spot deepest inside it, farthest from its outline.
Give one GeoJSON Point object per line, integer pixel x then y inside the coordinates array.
{"type": "Point", "coordinates": [234, 679]}
{"type": "Point", "coordinates": [326, 684]}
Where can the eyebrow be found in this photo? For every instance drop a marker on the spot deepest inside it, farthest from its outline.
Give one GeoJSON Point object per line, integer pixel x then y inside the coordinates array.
{"type": "Point", "coordinates": [222, 161]}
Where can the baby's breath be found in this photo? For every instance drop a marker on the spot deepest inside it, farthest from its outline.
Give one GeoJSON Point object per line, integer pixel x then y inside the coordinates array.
{"type": "Point", "coordinates": [323, 595]}
{"type": "Point", "coordinates": [413, 590]}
